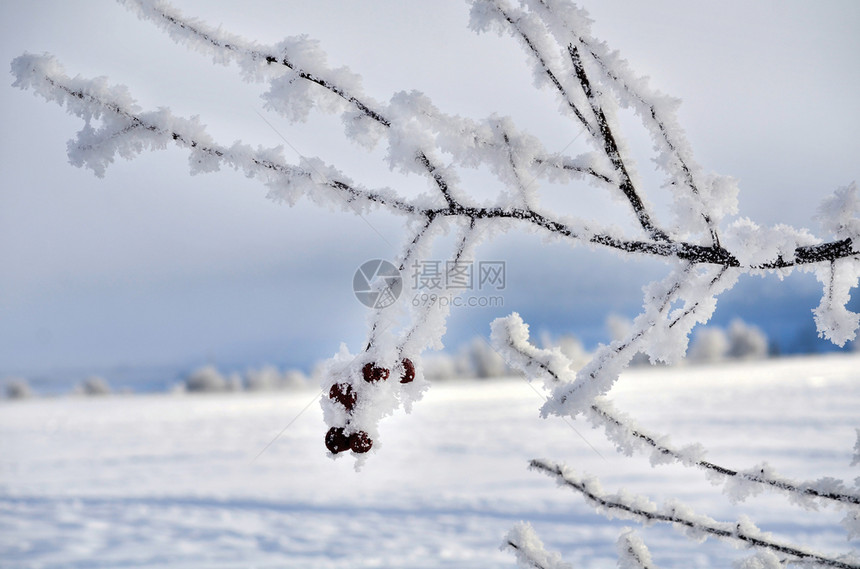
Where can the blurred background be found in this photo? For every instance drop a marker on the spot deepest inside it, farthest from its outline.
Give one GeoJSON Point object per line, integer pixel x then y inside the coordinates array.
{"type": "Point", "coordinates": [146, 275]}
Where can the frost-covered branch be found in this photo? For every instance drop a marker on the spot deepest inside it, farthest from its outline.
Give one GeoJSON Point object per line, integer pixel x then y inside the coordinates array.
{"type": "Point", "coordinates": [511, 336]}
{"type": "Point", "coordinates": [296, 54]}
{"type": "Point", "coordinates": [697, 526]}
{"type": "Point", "coordinates": [621, 431]}
{"type": "Point", "coordinates": [530, 551]}
{"type": "Point", "coordinates": [661, 331]}
{"type": "Point", "coordinates": [307, 63]}
{"type": "Point", "coordinates": [598, 125]}
{"type": "Point", "coordinates": [96, 150]}
{"type": "Point", "coordinates": [610, 147]}
{"type": "Point", "coordinates": [127, 131]}
{"type": "Point", "coordinates": [632, 552]}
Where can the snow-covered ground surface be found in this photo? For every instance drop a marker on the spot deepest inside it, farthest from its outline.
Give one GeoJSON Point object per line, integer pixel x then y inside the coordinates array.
{"type": "Point", "coordinates": [172, 481]}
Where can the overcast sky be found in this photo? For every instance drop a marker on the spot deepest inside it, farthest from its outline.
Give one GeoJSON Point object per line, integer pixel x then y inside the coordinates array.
{"type": "Point", "coordinates": [152, 266]}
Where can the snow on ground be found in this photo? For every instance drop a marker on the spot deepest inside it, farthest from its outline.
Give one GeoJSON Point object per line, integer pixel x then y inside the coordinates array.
{"type": "Point", "coordinates": [172, 481]}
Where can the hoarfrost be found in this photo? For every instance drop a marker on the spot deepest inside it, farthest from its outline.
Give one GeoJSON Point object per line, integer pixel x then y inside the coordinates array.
{"type": "Point", "coordinates": [839, 213]}
{"type": "Point", "coordinates": [761, 560]}
{"type": "Point", "coordinates": [632, 552]}
{"type": "Point", "coordinates": [832, 317]}
{"type": "Point", "coordinates": [529, 549]}
{"type": "Point", "coordinates": [856, 460]}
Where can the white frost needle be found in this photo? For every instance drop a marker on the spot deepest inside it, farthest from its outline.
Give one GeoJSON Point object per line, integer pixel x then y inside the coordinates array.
{"type": "Point", "coordinates": [287, 426]}
{"type": "Point", "coordinates": [302, 156]}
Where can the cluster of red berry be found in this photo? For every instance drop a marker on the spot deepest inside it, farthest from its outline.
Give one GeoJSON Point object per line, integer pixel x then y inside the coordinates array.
{"type": "Point", "coordinates": [336, 439]}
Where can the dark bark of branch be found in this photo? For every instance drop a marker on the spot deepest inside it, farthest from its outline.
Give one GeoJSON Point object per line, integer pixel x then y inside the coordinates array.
{"type": "Point", "coordinates": [272, 58]}
{"type": "Point", "coordinates": [815, 254]}
{"type": "Point", "coordinates": [685, 169]}
{"type": "Point", "coordinates": [603, 132]}
{"type": "Point", "coordinates": [574, 168]}
{"type": "Point", "coordinates": [610, 148]}
{"type": "Point", "coordinates": [531, 561]}
{"type": "Point", "coordinates": [549, 73]}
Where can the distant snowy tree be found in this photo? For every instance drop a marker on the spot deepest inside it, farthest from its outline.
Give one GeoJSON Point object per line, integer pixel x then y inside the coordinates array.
{"type": "Point", "coordinates": [269, 378]}
{"type": "Point", "coordinates": [479, 359]}
{"type": "Point", "coordinates": [18, 389]}
{"type": "Point", "coordinates": [710, 344]}
{"type": "Point", "coordinates": [266, 378]}
{"type": "Point", "coordinates": [294, 379]}
{"type": "Point", "coordinates": [704, 248]}
{"type": "Point", "coordinates": [570, 346]}
{"type": "Point", "coordinates": [746, 342]}
{"type": "Point", "coordinates": [206, 379]}
{"type": "Point", "coordinates": [95, 385]}
{"type": "Point", "coordinates": [741, 341]}
{"type": "Point", "coordinates": [439, 366]}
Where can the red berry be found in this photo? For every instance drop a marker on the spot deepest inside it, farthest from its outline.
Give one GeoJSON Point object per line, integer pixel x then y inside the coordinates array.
{"type": "Point", "coordinates": [343, 394]}
{"type": "Point", "coordinates": [336, 440]}
{"type": "Point", "coordinates": [367, 372]}
{"type": "Point", "coordinates": [408, 371]}
{"type": "Point", "coordinates": [373, 373]}
{"type": "Point", "coordinates": [360, 442]}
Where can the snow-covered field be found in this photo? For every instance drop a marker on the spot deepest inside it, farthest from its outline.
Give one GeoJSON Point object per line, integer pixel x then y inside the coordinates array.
{"type": "Point", "coordinates": [172, 481]}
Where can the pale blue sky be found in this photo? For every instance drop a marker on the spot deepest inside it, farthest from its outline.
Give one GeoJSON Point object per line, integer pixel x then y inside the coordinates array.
{"type": "Point", "coordinates": [150, 265]}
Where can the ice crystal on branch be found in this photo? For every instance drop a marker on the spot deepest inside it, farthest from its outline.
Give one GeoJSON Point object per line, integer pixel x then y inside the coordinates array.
{"type": "Point", "coordinates": [530, 551]}
{"type": "Point", "coordinates": [705, 251]}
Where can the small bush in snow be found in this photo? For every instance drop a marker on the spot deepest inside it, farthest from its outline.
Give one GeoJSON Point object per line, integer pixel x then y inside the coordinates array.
{"type": "Point", "coordinates": [295, 379]}
{"type": "Point", "coordinates": [18, 389]}
{"type": "Point", "coordinates": [95, 385]}
{"type": "Point", "coordinates": [206, 379]}
{"type": "Point", "coordinates": [709, 345]}
{"type": "Point", "coordinates": [746, 342]}
{"type": "Point", "coordinates": [740, 342]}
{"type": "Point", "coordinates": [479, 359]}
{"type": "Point", "coordinates": [267, 378]}
{"type": "Point", "coordinates": [439, 367]}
